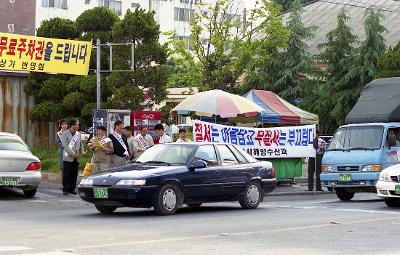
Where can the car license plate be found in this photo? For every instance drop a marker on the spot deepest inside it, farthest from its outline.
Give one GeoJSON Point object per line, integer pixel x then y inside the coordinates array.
{"type": "Point", "coordinates": [100, 193]}
{"type": "Point", "coordinates": [9, 181]}
{"type": "Point", "coordinates": [397, 189]}
{"type": "Point", "coordinates": [345, 177]}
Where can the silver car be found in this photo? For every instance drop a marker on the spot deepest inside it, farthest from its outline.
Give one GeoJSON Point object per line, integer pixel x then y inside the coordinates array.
{"type": "Point", "coordinates": [18, 166]}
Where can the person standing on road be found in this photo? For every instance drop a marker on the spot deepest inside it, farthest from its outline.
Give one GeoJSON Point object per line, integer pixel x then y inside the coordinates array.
{"type": "Point", "coordinates": [73, 148]}
{"type": "Point", "coordinates": [314, 164]}
{"type": "Point", "coordinates": [142, 142]}
{"type": "Point", "coordinates": [62, 127]}
{"type": "Point", "coordinates": [102, 148]}
{"type": "Point", "coordinates": [182, 136]}
{"type": "Point", "coordinates": [130, 141]}
{"type": "Point", "coordinates": [120, 144]}
{"type": "Point", "coordinates": [163, 137]}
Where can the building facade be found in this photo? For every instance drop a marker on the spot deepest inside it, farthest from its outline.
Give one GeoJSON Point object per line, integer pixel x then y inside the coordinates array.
{"type": "Point", "coordinates": [25, 16]}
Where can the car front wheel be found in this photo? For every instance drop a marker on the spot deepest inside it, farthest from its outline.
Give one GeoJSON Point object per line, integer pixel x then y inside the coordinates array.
{"type": "Point", "coordinates": [167, 200]}
{"type": "Point", "coordinates": [29, 192]}
{"type": "Point", "coordinates": [392, 202]}
{"type": "Point", "coordinates": [106, 209]}
{"type": "Point", "coordinates": [252, 196]}
{"type": "Point", "coordinates": [344, 195]}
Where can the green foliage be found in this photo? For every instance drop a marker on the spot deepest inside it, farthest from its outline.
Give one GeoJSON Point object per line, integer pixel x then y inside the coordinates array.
{"type": "Point", "coordinates": [297, 65]}
{"type": "Point", "coordinates": [53, 88]}
{"type": "Point", "coordinates": [183, 73]}
{"type": "Point", "coordinates": [389, 63]}
{"type": "Point", "coordinates": [165, 116]}
{"type": "Point", "coordinates": [47, 111]}
{"type": "Point", "coordinates": [58, 28]}
{"type": "Point", "coordinates": [74, 101]}
{"type": "Point", "coordinates": [220, 61]}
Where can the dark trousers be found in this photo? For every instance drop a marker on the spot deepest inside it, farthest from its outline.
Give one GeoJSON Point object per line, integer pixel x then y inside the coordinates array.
{"type": "Point", "coordinates": [314, 168]}
{"type": "Point", "coordinates": [70, 174]}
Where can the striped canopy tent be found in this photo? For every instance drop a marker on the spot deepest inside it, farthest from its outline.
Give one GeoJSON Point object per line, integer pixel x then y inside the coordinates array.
{"type": "Point", "coordinates": [217, 103]}
{"type": "Point", "coordinates": [279, 111]}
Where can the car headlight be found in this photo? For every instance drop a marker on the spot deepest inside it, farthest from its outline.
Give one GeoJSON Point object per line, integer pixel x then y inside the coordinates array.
{"type": "Point", "coordinates": [370, 168]}
{"type": "Point", "coordinates": [328, 168]}
{"type": "Point", "coordinates": [86, 182]}
{"type": "Point", "coordinates": [131, 183]}
{"type": "Point", "coordinates": [385, 177]}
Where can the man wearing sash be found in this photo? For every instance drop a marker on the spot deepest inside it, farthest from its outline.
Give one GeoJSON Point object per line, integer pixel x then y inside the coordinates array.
{"type": "Point", "coordinates": [73, 148]}
{"type": "Point", "coordinates": [102, 148]}
{"type": "Point", "coordinates": [142, 142]}
{"type": "Point", "coordinates": [62, 127]}
{"type": "Point", "coordinates": [120, 144]}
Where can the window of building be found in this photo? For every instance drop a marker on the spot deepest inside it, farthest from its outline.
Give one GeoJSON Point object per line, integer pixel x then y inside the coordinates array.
{"type": "Point", "coordinates": [183, 14]}
{"type": "Point", "coordinates": [63, 4]}
{"type": "Point", "coordinates": [87, 1]}
{"type": "Point", "coordinates": [135, 5]}
{"type": "Point", "coordinates": [113, 5]}
{"type": "Point", "coordinates": [187, 39]}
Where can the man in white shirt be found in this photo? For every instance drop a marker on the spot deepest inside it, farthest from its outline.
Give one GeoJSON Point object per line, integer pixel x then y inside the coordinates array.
{"type": "Point", "coordinates": [163, 137]}
{"type": "Point", "coordinates": [142, 142]}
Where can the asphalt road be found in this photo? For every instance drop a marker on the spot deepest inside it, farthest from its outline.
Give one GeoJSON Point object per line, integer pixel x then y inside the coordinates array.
{"type": "Point", "coordinates": [53, 224]}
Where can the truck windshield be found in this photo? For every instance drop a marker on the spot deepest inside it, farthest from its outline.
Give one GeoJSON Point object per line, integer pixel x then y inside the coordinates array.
{"type": "Point", "coordinates": [357, 138]}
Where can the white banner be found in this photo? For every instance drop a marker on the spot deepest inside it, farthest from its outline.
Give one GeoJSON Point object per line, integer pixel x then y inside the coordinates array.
{"type": "Point", "coordinates": [279, 142]}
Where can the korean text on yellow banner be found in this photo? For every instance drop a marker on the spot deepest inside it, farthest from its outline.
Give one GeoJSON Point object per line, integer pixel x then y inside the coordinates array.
{"type": "Point", "coordinates": [48, 55]}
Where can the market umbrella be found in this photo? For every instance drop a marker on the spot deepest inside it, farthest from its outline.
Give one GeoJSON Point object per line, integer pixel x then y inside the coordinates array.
{"type": "Point", "coordinates": [217, 103]}
{"type": "Point", "coordinates": [279, 111]}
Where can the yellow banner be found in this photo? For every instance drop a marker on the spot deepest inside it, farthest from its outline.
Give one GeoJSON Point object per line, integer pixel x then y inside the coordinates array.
{"type": "Point", "coordinates": [48, 55]}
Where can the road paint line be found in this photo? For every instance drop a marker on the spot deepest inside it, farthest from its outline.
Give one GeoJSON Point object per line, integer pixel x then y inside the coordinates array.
{"type": "Point", "coordinates": [367, 211]}
{"type": "Point", "coordinates": [37, 201]}
{"type": "Point", "coordinates": [213, 236]}
{"type": "Point", "coordinates": [44, 195]}
{"type": "Point", "coordinates": [14, 248]}
{"type": "Point", "coordinates": [50, 253]}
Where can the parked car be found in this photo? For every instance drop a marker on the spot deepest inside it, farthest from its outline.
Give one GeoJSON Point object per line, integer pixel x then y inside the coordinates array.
{"type": "Point", "coordinates": [167, 176]}
{"type": "Point", "coordinates": [19, 167]}
{"type": "Point", "coordinates": [388, 186]}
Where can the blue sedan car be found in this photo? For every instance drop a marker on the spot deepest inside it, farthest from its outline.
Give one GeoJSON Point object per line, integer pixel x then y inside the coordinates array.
{"type": "Point", "coordinates": [166, 176]}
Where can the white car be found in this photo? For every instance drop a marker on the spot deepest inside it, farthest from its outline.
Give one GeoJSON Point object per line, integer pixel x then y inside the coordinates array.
{"type": "Point", "coordinates": [19, 168]}
{"type": "Point", "coordinates": [388, 186]}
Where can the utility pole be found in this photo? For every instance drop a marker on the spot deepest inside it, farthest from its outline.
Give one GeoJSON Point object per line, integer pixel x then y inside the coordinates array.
{"type": "Point", "coordinates": [98, 74]}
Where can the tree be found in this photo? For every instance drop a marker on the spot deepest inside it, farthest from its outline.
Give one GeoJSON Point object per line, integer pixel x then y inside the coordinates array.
{"type": "Point", "coordinates": [362, 68]}
{"type": "Point", "coordinates": [223, 42]}
{"type": "Point", "coordinates": [338, 54]}
{"type": "Point", "coordinates": [148, 71]}
{"type": "Point", "coordinates": [62, 96]}
{"type": "Point", "coordinates": [389, 63]}
{"type": "Point", "coordinates": [298, 72]}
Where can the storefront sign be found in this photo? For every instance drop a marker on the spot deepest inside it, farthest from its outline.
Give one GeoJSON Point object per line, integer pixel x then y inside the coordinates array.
{"type": "Point", "coordinates": [38, 54]}
{"type": "Point", "coordinates": [280, 142]}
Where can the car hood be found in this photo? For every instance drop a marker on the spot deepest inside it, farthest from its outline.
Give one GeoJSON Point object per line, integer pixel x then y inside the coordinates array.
{"type": "Point", "coordinates": [392, 170]}
{"type": "Point", "coordinates": [354, 157]}
{"type": "Point", "coordinates": [132, 172]}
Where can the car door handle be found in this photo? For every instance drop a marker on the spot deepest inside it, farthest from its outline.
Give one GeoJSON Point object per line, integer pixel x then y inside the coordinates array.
{"type": "Point", "coordinates": [217, 172]}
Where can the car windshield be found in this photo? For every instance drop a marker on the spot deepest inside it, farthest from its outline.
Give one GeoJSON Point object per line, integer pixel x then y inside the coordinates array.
{"type": "Point", "coordinates": [174, 154]}
{"type": "Point", "coordinates": [8, 143]}
{"type": "Point", "coordinates": [357, 138]}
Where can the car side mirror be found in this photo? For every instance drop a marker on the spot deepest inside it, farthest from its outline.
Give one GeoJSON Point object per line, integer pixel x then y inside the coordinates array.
{"type": "Point", "coordinates": [197, 165]}
{"type": "Point", "coordinates": [392, 141]}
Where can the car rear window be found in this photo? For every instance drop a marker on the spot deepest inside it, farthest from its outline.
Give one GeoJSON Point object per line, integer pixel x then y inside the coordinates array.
{"type": "Point", "coordinates": [8, 143]}
{"type": "Point", "coordinates": [248, 157]}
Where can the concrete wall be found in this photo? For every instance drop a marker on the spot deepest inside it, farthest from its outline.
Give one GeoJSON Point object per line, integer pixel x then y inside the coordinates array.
{"type": "Point", "coordinates": [15, 106]}
{"type": "Point", "coordinates": [21, 13]}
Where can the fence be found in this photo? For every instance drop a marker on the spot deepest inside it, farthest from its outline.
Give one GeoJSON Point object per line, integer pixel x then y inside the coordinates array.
{"type": "Point", "coordinates": [15, 106]}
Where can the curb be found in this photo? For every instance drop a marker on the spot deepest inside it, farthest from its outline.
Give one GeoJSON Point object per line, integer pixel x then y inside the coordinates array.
{"type": "Point", "coordinates": [55, 178]}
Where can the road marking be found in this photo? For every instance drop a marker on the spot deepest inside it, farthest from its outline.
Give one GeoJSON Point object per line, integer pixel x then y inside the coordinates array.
{"type": "Point", "coordinates": [50, 253]}
{"type": "Point", "coordinates": [14, 248]}
{"type": "Point", "coordinates": [367, 211]}
{"type": "Point", "coordinates": [44, 195]}
{"type": "Point", "coordinates": [213, 236]}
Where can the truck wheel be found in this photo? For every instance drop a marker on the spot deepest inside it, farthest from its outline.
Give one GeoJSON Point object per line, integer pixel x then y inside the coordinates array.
{"type": "Point", "coordinates": [344, 195]}
{"type": "Point", "coordinates": [392, 202]}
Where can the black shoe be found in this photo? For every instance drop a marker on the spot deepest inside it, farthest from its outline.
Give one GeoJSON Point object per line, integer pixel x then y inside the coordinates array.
{"type": "Point", "coordinates": [73, 193]}
{"type": "Point", "coordinates": [319, 190]}
{"type": "Point", "coordinates": [65, 193]}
